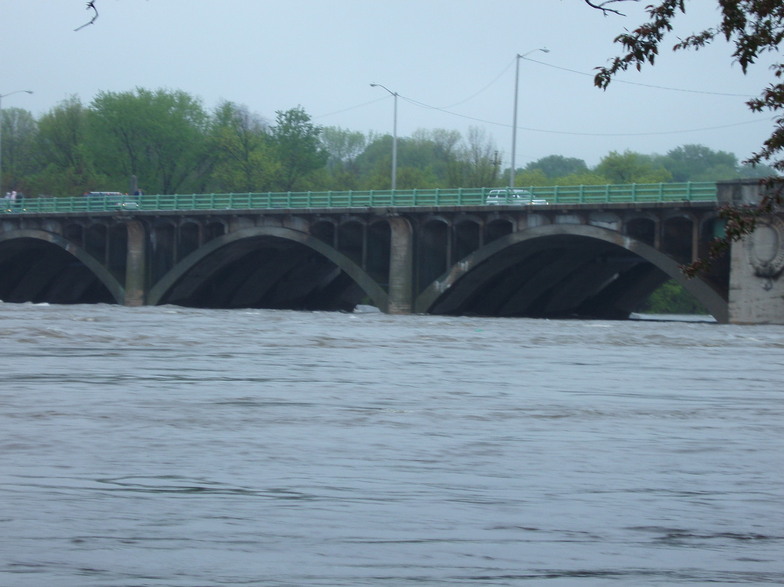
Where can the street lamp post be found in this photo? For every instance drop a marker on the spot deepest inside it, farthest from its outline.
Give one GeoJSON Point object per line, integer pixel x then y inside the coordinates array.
{"type": "Point", "coordinates": [518, 57]}
{"type": "Point", "coordinates": [1, 130]}
{"type": "Point", "coordinates": [394, 135]}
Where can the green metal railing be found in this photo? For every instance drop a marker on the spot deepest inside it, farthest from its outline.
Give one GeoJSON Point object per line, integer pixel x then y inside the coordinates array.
{"type": "Point", "coordinates": [583, 194]}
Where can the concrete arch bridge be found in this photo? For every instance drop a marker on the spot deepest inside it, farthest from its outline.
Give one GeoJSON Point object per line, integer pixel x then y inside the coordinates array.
{"type": "Point", "coordinates": [564, 259]}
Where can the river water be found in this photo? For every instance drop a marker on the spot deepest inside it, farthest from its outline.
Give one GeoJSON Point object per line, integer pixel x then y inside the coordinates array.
{"type": "Point", "coordinates": [172, 446]}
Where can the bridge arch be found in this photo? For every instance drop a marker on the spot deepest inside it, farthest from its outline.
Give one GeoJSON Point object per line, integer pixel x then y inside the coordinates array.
{"type": "Point", "coordinates": [560, 270]}
{"type": "Point", "coordinates": [378, 251]}
{"type": "Point", "coordinates": [433, 247]}
{"type": "Point", "coordinates": [351, 239]}
{"type": "Point", "coordinates": [188, 237]}
{"type": "Point", "coordinates": [466, 236]}
{"type": "Point", "coordinates": [325, 229]}
{"type": "Point", "coordinates": [498, 227]}
{"type": "Point", "coordinates": [252, 249]}
{"type": "Point", "coordinates": [642, 227]}
{"type": "Point", "coordinates": [51, 260]}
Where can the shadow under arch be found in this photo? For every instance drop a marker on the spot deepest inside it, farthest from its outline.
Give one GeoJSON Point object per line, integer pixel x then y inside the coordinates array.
{"type": "Point", "coordinates": [114, 287]}
{"type": "Point", "coordinates": [160, 290]}
{"type": "Point", "coordinates": [504, 253]}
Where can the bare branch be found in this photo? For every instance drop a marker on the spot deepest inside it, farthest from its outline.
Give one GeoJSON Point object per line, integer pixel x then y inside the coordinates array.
{"type": "Point", "coordinates": [603, 6]}
{"type": "Point", "coordinates": [90, 6]}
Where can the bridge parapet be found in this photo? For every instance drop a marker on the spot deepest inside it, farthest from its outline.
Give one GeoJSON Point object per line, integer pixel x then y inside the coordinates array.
{"type": "Point", "coordinates": [580, 194]}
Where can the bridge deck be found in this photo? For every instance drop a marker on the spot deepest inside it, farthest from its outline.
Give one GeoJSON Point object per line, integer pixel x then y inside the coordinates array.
{"type": "Point", "coordinates": [583, 194]}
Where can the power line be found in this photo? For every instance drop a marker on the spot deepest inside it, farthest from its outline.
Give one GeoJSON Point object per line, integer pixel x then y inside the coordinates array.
{"type": "Point", "coordinates": [620, 81]}
{"type": "Point", "coordinates": [445, 109]}
{"type": "Point", "coordinates": [582, 134]}
{"type": "Point", "coordinates": [475, 94]}
{"type": "Point", "coordinates": [351, 107]}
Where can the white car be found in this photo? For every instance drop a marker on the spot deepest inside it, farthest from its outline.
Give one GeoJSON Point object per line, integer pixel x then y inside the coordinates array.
{"type": "Point", "coordinates": [513, 197]}
{"type": "Point", "coordinates": [116, 200]}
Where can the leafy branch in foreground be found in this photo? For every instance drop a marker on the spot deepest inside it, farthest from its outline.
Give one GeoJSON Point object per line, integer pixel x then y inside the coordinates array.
{"type": "Point", "coordinates": [754, 27]}
{"type": "Point", "coordinates": [739, 221]}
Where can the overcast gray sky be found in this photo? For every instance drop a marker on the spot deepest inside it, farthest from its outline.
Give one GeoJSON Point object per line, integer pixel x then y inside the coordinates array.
{"type": "Point", "coordinates": [451, 61]}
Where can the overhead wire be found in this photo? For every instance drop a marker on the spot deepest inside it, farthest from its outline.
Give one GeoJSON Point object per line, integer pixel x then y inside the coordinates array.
{"type": "Point", "coordinates": [573, 133]}
{"type": "Point", "coordinates": [629, 83]}
{"type": "Point", "coordinates": [446, 109]}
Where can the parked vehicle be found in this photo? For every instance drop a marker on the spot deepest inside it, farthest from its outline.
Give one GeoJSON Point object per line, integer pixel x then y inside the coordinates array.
{"type": "Point", "coordinates": [513, 197]}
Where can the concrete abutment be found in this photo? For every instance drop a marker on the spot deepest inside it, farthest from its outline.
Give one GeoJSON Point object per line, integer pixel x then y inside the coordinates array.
{"type": "Point", "coordinates": [756, 288]}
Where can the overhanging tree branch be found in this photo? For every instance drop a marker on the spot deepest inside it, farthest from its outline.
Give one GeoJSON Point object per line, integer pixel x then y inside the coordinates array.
{"type": "Point", "coordinates": [754, 27]}
{"type": "Point", "coordinates": [603, 6]}
{"type": "Point", "coordinates": [90, 6]}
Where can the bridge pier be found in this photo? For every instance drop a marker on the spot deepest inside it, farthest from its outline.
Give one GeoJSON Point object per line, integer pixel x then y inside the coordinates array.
{"type": "Point", "coordinates": [756, 289]}
{"type": "Point", "coordinates": [401, 263]}
{"type": "Point", "coordinates": [136, 266]}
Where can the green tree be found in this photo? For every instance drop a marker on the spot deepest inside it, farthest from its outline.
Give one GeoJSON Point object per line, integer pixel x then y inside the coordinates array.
{"type": "Point", "coordinates": [18, 132]}
{"type": "Point", "coordinates": [342, 147]}
{"type": "Point", "coordinates": [158, 136]}
{"type": "Point", "coordinates": [672, 298]}
{"type": "Point", "coordinates": [242, 158]}
{"type": "Point", "coordinates": [699, 163]}
{"type": "Point", "coordinates": [430, 152]}
{"type": "Point", "coordinates": [374, 164]}
{"type": "Point", "coordinates": [297, 147]}
{"type": "Point", "coordinates": [532, 177]}
{"type": "Point", "coordinates": [475, 163]}
{"type": "Point", "coordinates": [584, 178]}
{"type": "Point", "coordinates": [557, 166]}
{"type": "Point", "coordinates": [629, 167]}
{"type": "Point", "coordinates": [66, 166]}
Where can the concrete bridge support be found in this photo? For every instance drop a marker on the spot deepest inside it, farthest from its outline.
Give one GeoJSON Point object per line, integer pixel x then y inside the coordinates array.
{"type": "Point", "coordinates": [756, 289]}
{"type": "Point", "coordinates": [401, 264]}
{"type": "Point", "coordinates": [136, 266]}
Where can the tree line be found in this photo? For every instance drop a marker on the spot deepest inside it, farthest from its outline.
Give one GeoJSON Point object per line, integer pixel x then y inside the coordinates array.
{"type": "Point", "coordinates": [171, 143]}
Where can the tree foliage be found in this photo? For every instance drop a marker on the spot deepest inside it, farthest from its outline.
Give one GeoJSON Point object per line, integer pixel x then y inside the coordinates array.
{"type": "Point", "coordinates": [700, 163]}
{"type": "Point", "coordinates": [557, 166]}
{"type": "Point", "coordinates": [753, 27]}
{"type": "Point", "coordinates": [240, 151]}
{"type": "Point", "coordinates": [630, 167]}
{"type": "Point", "coordinates": [173, 145]}
{"type": "Point", "coordinates": [18, 132]}
{"type": "Point", "coordinates": [64, 159]}
{"type": "Point", "coordinates": [157, 135]}
{"type": "Point", "coordinates": [295, 140]}
{"type": "Point", "coordinates": [672, 298]}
